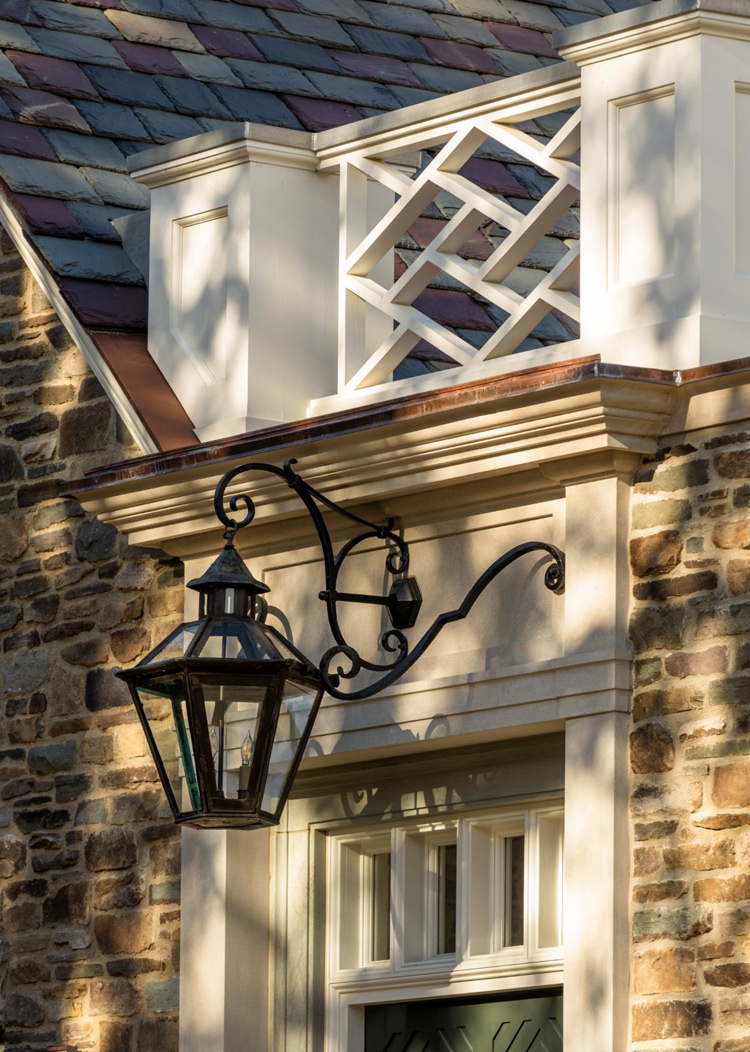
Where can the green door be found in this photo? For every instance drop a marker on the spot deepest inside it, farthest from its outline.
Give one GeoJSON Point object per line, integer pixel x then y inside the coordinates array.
{"type": "Point", "coordinates": [525, 1022]}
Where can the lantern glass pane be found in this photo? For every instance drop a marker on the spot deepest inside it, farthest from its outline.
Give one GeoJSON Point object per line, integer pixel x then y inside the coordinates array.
{"type": "Point", "coordinates": [175, 645]}
{"type": "Point", "coordinates": [296, 706]}
{"type": "Point", "coordinates": [232, 711]}
{"type": "Point", "coordinates": [165, 709]}
{"type": "Point", "coordinates": [240, 641]}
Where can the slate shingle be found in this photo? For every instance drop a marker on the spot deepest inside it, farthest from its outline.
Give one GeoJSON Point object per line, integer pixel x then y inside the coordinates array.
{"type": "Point", "coordinates": [375, 67]}
{"type": "Point", "coordinates": [53, 74]}
{"type": "Point", "coordinates": [78, 48]}
{"type": "Point", "coordinates": [461, 56]}
{"type": "Point", "coordinates": [116, 189]}
{"type": "Point", "coordinates": [439, 78]}
{"type": "Point", "coordinates": [71, 19]}
{"type": "Point", "coordinates": [86, 150]}
{"type": "Point", "coordinates": [319, 114]}
{"type": "Point", "coordinates": [402, 19]}
{"type": "Point", "coordinates": [9, 73]}
{"type": "Point", "coordinates": [207, 67]}
{"type": "Point", "coordinates": [344, 10]}
{"type": "Point", "coordinates": [107, 305]}
{"type": "Point", "coordinates": [412, 96]}
{"type": "Point", "coordinates": [380, 42]}
{"type": "Point", "coordinates": [465, 30]}
{"type": "Point", "coordinates": [41, 107]}
{"type": "Point", "coordinates": [143, 29]}
{"type": "Point", "coordinates": [516, 38]}
{"type": "Point", "coordinates": [223, 14]}
{"type": "Point", "coordinates": [125, 86]}
{"type": "Point", "coordinates": [95, 219]}
{"type": "Point", "coordinates": [95, 260]}
{"type": "Point", "coordinates": [295, 53]}
{"type": "Point", "coordinates": [20, 11]}
{"type": "Point", "coordinates": [25, 141]}
{"type": "Point", "coordinates": [247, 105]}
{"type": "Point", "coordinates": [167, 127]}
{"type": "Point", "coordinates": [13, 35]}
{"type": "Point", "coordinates": [512, 63]}
{"type": "Point", "coordinates": [112, 119]}
{"type": "Point", "coordinates": [358, 92]}
{"type": "Point", "coordinates": [180, 10]}
{"type": "Point", "coordinates": [47, 179]}
{"type": "Point", "coordinates": [194, 98]}
{"type": "Point", "coordinates": [314, 29]}
{"type": "Point", "coordinates": [46, 215]}
{"type": "Point", "coordinates": [267, 76]}
{"type": "Point", "coordinates": [227, 43]}
{"type": "Point", "coordinates": [145, 58]}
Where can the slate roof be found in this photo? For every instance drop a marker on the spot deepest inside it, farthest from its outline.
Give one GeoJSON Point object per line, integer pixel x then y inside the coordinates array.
{"type": "Point", "coordinates": [86, 83]}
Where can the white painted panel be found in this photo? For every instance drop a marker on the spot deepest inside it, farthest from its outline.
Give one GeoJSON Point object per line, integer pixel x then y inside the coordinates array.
{"type": "Point", "coordinates": [742, 179]}
{"type": "Point", "coordinates": [199, 291]}
{"type": "Point", "coordinates": [643, 142]}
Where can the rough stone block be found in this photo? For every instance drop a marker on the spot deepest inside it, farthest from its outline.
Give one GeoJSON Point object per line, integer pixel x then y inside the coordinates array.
{"type": "Point", "coordinates": [728, 975]}
{"type": "Point", "coordinates": [111, 849]}
{"type": "Point", "coordinates": [119, 997]}
{"type": "Point", "coordinates": [718, 889]}
{"type": "Point", "coordinates": [672, 587]}
{"type": "Point", "coordinates": [665, 971]}
{"type": "Point", "coordinates": [662, 1020]}
{"type": "Point", "coordinates": [732, 785]}
{"type": "Point", "coordinates": [719, 855]}
{"type": "Point", "coordinates": [85, 429]}
{"type": "Point", "coordinates": [656, 553]}
{"type": "Point", "coordinates": [125, 933]}
{"type": "Point", "coordinates": [703, 663]}
{"type": "Point", "coordinates": [652, 703]}
{"type": "Point", "coordinates": [651, 749]}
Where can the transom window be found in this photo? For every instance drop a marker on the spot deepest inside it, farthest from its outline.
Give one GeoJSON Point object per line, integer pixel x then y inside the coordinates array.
{"type": "Point", "coordinates": [463, 893]}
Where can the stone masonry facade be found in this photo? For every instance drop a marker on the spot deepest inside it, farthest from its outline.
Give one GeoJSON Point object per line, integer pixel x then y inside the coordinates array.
{"type": "Point", "coordinates": [89, 855]}
{"type": "Point", "coordinates": [690, 748]}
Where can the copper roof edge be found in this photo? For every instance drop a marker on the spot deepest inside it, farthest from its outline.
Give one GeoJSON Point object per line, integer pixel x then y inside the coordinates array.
{"type": "Point", "coordinates": [349, 421]}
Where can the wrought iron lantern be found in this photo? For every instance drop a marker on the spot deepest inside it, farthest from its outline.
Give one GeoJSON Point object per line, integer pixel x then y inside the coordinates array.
{"type": "Point", "coordinates": [227, 703]}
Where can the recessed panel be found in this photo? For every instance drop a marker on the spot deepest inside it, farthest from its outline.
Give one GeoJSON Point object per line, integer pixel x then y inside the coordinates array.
{"type": "Point", "coordinates": [642, 187]}
{"type": "Point", "coordinates": [199, 302]}
{"type": "Point", "coordinates": [742, 179]}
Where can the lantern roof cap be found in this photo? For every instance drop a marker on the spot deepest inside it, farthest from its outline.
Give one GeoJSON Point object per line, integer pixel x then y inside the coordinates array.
{"type": "Point", "coordinates": [228, 571]}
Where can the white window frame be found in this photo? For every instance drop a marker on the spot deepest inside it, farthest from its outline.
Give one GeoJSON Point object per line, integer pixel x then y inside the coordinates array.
{"type": "Point", "coordinates": [415, 970]}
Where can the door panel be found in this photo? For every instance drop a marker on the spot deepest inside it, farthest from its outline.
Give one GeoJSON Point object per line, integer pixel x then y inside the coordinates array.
{"type": "Point", "coordinates": [524, 1022]}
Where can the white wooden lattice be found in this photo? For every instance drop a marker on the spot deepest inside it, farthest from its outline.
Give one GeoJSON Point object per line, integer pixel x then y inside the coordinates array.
{"type": "Point", "coordinates": [366, 286]}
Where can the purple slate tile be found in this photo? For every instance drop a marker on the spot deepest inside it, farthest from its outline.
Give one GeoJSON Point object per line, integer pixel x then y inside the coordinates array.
{"type": "Point", "coordinates": [456, 309]}
{"type": "Point", "coordinates": [40, 107]}
{"type": "Point", "coordinates": [319, 114]}
{"type": "Point", "coordinates": [227, 43]}
{"type": "Point", "coordinates": [516, 38]}
{"type": "Point", "coordinates": [460, 56]}
{"type": "Point", "coordinates": [20, 11]}
{"type": "Point", "coordinates": [45, 215]}
{"type": "Point", "coordinates": [24, 141]}
{"type": "Point", "coordinates": [145, 58]}
{"type": "Point", "coordinates": [374, 67]}
{"type": "Point", "coordinates": [54, 74]}
{"type": "Point", "coordinates": [107, 305]}
{"type": "Point", "coordinates": [492, 176]}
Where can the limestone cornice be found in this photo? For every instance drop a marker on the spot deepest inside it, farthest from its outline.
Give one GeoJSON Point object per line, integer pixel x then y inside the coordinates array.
{"type": "Point", "coordinates": [531, 432]}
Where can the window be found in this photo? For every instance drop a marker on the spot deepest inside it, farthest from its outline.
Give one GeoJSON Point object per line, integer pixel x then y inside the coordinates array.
{"type": "Point", "coordinates": [466, 894]}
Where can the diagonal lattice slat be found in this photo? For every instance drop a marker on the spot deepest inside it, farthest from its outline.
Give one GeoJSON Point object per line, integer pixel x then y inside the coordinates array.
{"type": "Point", "coordinates": [477, 206]}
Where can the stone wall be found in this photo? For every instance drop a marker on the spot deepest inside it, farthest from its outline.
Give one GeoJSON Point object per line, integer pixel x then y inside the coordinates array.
{"type": "Point", "coordinates": [89, 856]}
{"type": "Point", "coordinates": [690, 748]}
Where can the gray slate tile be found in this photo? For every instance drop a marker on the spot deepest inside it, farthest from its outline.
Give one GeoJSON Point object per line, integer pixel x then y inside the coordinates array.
{"type": "Point", "coordinates": [267, 76]}
{"type": "Point", "coordinates": [113, 120]}
{"type": "Point", "coordinates": [465, 30]}
{"type": "Point", "coordinates": [134, 229]}
{"type": "Point", "coordinates": [295, 53]}
{"type": "Point", "coordinates": [125, 86]}
{"type": "Point", "coordinates": [46, 179]}
{"type": "Point", "coordinates": [180, 10]}
{"type": "Point", "coordinates": [15, 36]}
{"type": "Point", "coordinates": [161, 32]}
{"type": "Point", "coordinates": [212, 124]}
{"type": "Point", "coordinates": [248, 105]}
{"type": "Point", "coordinates": [403, 19]}
{"type": "Point", "coordinates": [95, 260]}
{"type": "Point", "coordinates": [223, 15]}
{"type": "Point", "coordinates": [380, 42]}
{"type": "Point", "coordinates": [85, 150]}
{"type": "Point", "coordinates": [96, 219]}
{"type": "Point", "coordinates": [76, 47]}
{"type": "Point", "coordinates": [513, 62]}
{"type": "Point", "coordinates": [8, 72]}
{"type": "Point", "coordinates": [493, 9]}
{"type": "Point", "coordinates": [343, 10]}
{"type": "Point", "coordinates": [5, 111]}
{"type": "Point", "coordinates": [533, 16]}
{"type": "Point", "coordinates": [194, 98]}
{"type": "Point", "coordinates": [355, 91]}
{"type": "Point", "coordinates": [167, 127]}
{"type": "Point", "coordinates": [85, 20]}
{"type": "Point", "coordinates": [442, 79]}
{"type": "Point", "coordinates": [536, 183]}
{"type": "Point", "coordinates": [116, 189]}
{"type": "Point", "coordinates": [573, 18]}
{"type": "Point", "coordinates": [411, 96]}
{"type": "Point", "coordinates": [207, 67]}
{"type": "Point", "coordinates": [429, 5]}
{"type": "Point", "coordinates": [312, 28]}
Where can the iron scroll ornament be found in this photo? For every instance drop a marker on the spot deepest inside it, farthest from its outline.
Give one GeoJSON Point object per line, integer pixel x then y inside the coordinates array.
{"type": "Point", "coordinates": [397, 564]}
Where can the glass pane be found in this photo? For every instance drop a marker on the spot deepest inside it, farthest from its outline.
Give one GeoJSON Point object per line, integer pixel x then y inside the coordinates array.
{"type": "Point", "coordinates": [550, 879]}
{"type": "Point", "coordinates": [381, 906]}
{"type": "Point", "coordinates": [446, 941]}
{"type": "Point", "coordinates": [514, 891]}
{"type": "Point", "coordinates": [232, 715]}
{"type": "Point", "coordinates": [164, 706]}
{"type": "Point", "coordinates": [242, 641]}
{"type": "Point", "coordinates": [175, 645]}
{"type": "Point", "coordinates": [296, 706]}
